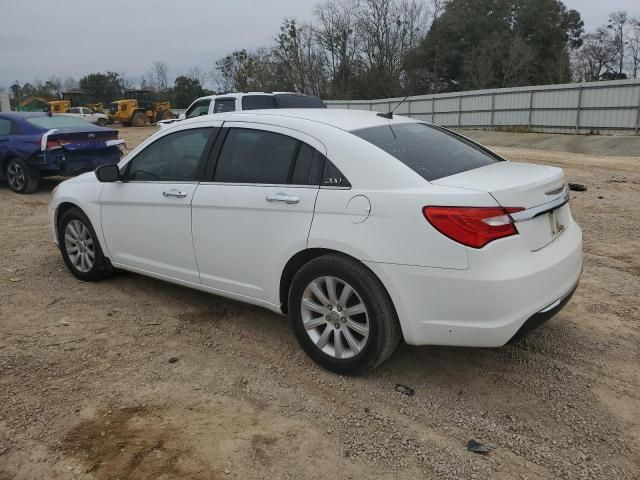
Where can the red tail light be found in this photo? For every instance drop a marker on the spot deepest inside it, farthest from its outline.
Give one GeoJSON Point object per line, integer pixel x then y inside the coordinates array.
{"type": "Point", "coordinates": [53, 144]}
{"type": "Point", "coordinates": [472, 226]}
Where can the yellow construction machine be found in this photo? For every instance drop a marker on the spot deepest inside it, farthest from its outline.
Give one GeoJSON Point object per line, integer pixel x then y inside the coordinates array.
{"type": "Point", "coordinates": [138, 109]}
{"type": "Point", "coordinates": [69, 99]}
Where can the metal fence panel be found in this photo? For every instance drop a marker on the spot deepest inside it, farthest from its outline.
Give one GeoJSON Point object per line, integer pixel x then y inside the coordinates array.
{"type": "Point", "coordinates": [597, 107]}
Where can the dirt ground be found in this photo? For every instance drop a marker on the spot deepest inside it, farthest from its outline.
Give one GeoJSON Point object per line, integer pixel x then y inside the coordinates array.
{"type": "Point", "coordinates": [87, 390]}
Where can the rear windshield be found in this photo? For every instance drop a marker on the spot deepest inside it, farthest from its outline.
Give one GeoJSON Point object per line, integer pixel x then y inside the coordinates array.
{"type": "Point", "coordinates": [280, 100]}
{"type": "Point", "coordinates": [429, 151]}
{"type": "Point", "coordinates": [298, 101]}
{"type": "Point", "coordinates": [257, 102]}
{"type": "Point", "coordinates": [57, 121]}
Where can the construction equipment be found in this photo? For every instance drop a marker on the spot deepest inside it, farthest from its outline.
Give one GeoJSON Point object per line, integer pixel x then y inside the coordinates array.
{"type": "Point", "coordinates": [138, 109]}
{"type": "Point", "coordinates": [69, 99]}
{"type": "Point", "coordinates": [33, 104]}
{"type": "Point", "coordinates": [73, 99]}
{"type": "Point", "coordinates": [96, 107]}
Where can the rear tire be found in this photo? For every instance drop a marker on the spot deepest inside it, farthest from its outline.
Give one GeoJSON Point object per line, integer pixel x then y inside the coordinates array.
{"type": "Point", "coordinates": [166, 115]}
{"type": "Point", "coordinates": [80, 247]}
{"type": "Point", "coordinates": [21, 177]}
{"type": "Point", "coordinates": [138, 120]}
{"type": "Point", "coordinates": [354, 328]}
{"type": "Point", "coordinates": [102, 122]}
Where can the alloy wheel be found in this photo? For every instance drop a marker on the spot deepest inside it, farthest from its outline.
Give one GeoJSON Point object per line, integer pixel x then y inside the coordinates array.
{"type": "Point", "coordinates": [79, 246]}
{"type": "Point", "coordinates": [16, 176]}
{"type": "Point", "coordinates": [335, 317]}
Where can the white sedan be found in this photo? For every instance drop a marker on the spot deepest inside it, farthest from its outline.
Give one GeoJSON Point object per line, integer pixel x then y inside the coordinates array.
{"type": "Point", "coordinates": [365, 230]}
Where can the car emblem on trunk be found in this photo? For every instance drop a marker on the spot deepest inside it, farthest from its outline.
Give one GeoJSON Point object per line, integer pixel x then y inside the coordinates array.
{"type": "Point", "coordinates": [92, 135]}
{"type": "Point", "coordinates": [555, 191]}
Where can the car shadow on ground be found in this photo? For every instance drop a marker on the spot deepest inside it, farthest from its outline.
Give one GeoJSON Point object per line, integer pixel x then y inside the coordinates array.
{"type": "Point", "coordinates": [449, 367]}
{"type": "Point", "coordinates": [46, 185]}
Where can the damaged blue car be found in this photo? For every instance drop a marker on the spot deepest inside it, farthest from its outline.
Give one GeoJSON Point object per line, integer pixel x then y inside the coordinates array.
{"type": "Point", "coordinates": [34, 145]}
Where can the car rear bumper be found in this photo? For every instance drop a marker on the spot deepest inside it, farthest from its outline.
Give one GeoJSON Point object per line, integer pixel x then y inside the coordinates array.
{"type": "Point", "coordinates": [543, 316]}
{"type": "Point", "coordinates": [506, 290]}
{"type": "Point", "coordinates": [71, 163]}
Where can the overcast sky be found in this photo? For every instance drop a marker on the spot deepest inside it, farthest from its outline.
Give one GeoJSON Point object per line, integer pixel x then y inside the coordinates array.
{"type": "Point", "coordinates": [40, 38]}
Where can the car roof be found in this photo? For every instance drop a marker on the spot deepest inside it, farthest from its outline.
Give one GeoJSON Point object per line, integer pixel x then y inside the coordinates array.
{"type": "Point", "coordinates": [22, 114]}
{"type": "Point", "coordinates": [348, 120]}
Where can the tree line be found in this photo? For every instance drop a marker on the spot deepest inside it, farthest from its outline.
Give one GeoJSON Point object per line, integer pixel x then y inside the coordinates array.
{"type": "Point", "coordinates": [384, 48]}
{"type": "Point", "coordinates": [109, 86]}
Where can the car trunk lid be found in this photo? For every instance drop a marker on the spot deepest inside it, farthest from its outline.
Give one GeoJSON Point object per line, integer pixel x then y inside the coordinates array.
{"type": "Point", "coordinates": [538, 189]}
{"type": "Point", "coordinates": [74, 140]}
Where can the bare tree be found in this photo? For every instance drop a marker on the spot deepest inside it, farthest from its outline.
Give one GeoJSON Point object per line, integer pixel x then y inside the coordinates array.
{"type": "Point", "coordinates": [299, 58]}
{"type": "Point", "coordinates": [480, 66]}
{"type": "Point", "coordinates": [437, 10]}
{"type": "Point", "coordinates": [335, 34]}
{"type": "Point", "coordinates": [158, 76]}
{"type": "Point", "coordinates": [196, 73]}
{"type": "Point", "coordinates": [618, 23]}
{"type": "Point", "coordinates": [388, 29]}
{"type": "Point", "coordinates": [634, 47]}
{"type": "Point", "coordinates": [596, 56]}
{"type": "Point", "coordinates": [516, 65]}
{"type": "Point", "coordinates": [246, 71]}
{"type": "Point", "coordinates": [128, 83]}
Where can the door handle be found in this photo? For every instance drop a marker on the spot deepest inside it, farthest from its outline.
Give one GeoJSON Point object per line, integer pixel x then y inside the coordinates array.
{"type": "Point", "coordinates": [174, 193]}
{"type": "Point", "coordinates": [283, 197]}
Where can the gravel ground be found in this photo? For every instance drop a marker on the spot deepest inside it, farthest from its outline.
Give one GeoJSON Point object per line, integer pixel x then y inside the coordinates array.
{"type": "Point", "coordinates": [87, 390]}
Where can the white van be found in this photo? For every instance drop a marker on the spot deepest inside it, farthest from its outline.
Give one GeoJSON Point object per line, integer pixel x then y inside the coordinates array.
{"type": "Point", "coordinates": [235, 102]}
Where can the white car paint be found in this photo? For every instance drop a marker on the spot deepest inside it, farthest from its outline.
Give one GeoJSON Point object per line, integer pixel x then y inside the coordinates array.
{"type": "Point", "coordinates": [211, 104]}
{"type": "Point", "coordinates": [87, 114]}
{"type": "Point", "coordinates": [227, 239]}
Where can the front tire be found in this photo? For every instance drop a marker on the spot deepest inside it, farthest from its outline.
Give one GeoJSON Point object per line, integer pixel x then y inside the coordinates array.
{"type": "Point", "coordinates": [102, 122]}
{"type": "Point", "coordinates": [138, 120]}
{"type": "Point", "coordinates": [80, 248]}
{"type": "Point", "coordinates": [342, 316]}
{"type": "Point", "coordinates": [166, 115]}
{"type": "Point", "coordinates": [21, 178]}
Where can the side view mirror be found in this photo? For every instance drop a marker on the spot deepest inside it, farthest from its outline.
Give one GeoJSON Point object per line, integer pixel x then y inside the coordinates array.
{"type": "Point", "coordinates": [181, 116]}
{"type": "Point", "coordinates": [108, 173]}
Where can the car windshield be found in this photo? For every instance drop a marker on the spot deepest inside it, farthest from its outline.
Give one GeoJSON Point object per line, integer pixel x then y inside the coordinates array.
{"type": "Point", "coordinates": [57, 121]}
{"type": "Point", "coordinates": [429, 151]}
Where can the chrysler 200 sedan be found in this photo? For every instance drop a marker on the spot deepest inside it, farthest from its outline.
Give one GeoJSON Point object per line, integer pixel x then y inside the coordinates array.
{"type": "Point", "coordinates": [365, 230]}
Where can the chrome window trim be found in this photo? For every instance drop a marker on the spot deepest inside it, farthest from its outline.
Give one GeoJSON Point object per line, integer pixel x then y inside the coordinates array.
{"type": "Point", "coordinates": [247, 184]}
{"type": "Point", "coordinates": [331, 187]}
{"type": "Point", "coordinates": [275, 185]}
{"type": "Point", "coordinates": [163, 182]}
{"type": "Point", "coordinates": [533, 212]}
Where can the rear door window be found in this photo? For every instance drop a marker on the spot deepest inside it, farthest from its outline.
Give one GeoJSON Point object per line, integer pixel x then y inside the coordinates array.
{"type": "Point", "coordinates": [224, 105]}
{"type": "Point", "coordinates": [308, 166]}
{"type": "Point", "coordinates": [257, 102]}
{"type": "Point", "coordinates": [255, 156]}
{"type": "Point", "coordinates": [429, 151]}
